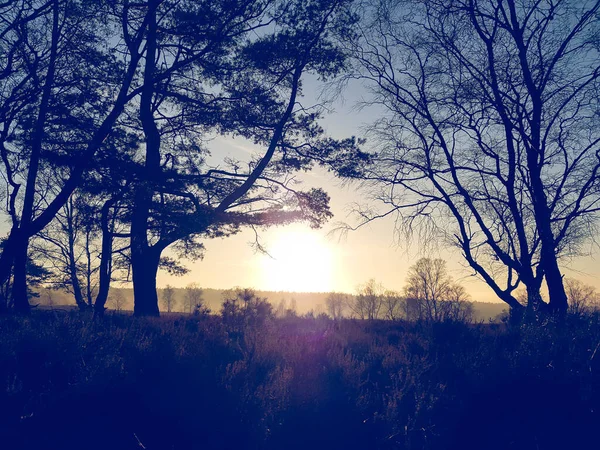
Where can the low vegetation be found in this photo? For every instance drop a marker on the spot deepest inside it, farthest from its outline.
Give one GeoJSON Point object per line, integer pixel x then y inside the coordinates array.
{"type": "Point", "coordinates": [246, 379]}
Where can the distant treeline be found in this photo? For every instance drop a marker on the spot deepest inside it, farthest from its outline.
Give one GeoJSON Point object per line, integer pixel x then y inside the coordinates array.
{"type": "Point", "coordinates": [299, 302]}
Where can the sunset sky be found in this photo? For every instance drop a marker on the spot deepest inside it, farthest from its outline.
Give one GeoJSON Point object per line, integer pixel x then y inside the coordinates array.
{"type": "Point", "coordinates": [308, 260]}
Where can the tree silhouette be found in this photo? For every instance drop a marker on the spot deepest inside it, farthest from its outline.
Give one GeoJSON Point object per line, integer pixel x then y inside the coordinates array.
{"type": "Point", "coordinates": [117, 300]}
{"type": "Point", "coordinates": [168, 297]}
{"type": "Point", "coordinates": [192, 297]}
{"type": "Point", "coordinates": [225, 82]}
{"type": "Point", "coordinates": [583, 298]}
{"type": "Point", "coordinates": [434, 296]}
{"type": "Point", "coordinates": [66, 247]}
{"type": "Point", "coordinates": [336, 303]}
{"type": "Point", "coordinates": [489, 136]}
{"type": "Point", "coordinates": [368, 301]}
{"type": "Point", "coordinates": [66, 89]}
{"type": "Point", "coordinates": [243, 307]}
{"type": "Point", "coordinates": [394, 305]}
{"type": "Point", "coordinates": [87, 82]}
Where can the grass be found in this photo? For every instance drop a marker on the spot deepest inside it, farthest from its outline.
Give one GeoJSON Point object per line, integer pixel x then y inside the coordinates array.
{"type": "Point", "coordinates": [69, 382]}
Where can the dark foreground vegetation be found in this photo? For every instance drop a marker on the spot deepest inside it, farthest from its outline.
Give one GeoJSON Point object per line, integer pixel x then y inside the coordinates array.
{"type": "Point", "coordinates": [211, 382]}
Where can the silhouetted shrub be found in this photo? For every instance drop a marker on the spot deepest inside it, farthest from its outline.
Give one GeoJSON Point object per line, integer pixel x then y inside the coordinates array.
{"type": "Point", "coordinates": [243, 307]}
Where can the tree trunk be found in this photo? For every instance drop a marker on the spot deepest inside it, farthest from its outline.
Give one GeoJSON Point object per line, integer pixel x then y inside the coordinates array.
{"type": "Point", "coordinates": [6, 264]}
{"type": "Point", "coordinates": [72, 262]}
{"type": "Point", "coordinates": [554, 280]}
{"type": "Point", "coordinates": [535, 304]}
{"type": "Point", "coordinates": [145, 259]}
{"type": "Point", "coordinates": [535, 156]}
{"type": "Point", "coordinates": [549, 261]}
{"type": "Point", "coordinates": [144, 268]}
{"type": "Point", "coordinates": [76, 286]}
{"type": "Point", "coordinates": [89, 271]}
{"type": "Point", "coordinates": [19, 287]}
{"type": "Point", "coordinates": [20, 296]}
{"type": "Point", "coordinates": [105, 261]}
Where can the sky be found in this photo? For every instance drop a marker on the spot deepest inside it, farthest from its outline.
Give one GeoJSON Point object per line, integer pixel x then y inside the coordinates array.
{"type": "Point", "coordinates": [305, 260]}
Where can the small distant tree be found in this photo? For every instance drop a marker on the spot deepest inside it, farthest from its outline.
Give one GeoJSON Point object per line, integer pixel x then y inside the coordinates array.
{"type": "Point", "coordinates": [168, 297]}
{"type": "Point", "coordinates": [433, 295]}
{"type": "Point", "coordinates": [192, 297]}
{"type": "Point", "coordinates": [368, 301]}
{"type": "Point", "coordinates": [292, 310]}
{"type": "Point", "coordinates": [583, 298]}
{"type": "Point", "coordinates": [459, 311]}
{"type": "Point", "coordinates": [281, 308]}
{"type": "Point", "coordinates": [117, 300]}
{"type": "Point", "coordinates": [319, 310]}
{"type": "Point", "coordinates": [47, 297]}
{"type": "Point", "coordinates": [458, 305]}
{"type": "Point", "coordinates": [393, 305]}
{"type": "Point", "coordinates": [336, 304]}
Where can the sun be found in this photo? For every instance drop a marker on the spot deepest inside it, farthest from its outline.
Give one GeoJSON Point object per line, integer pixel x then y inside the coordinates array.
{"type": "Point", "coordinates": [298, 261]}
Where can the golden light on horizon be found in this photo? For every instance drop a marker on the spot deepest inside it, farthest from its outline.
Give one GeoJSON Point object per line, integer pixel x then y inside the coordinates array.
{"type": "Point", "coordinates": [298, 261]}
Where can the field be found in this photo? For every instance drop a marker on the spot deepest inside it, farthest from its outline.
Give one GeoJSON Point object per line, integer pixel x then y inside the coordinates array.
{"type": "Point", "coordinates": [183, 382]}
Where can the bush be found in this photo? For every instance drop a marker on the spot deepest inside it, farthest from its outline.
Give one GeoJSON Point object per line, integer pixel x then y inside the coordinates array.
{"type": "Point", "coordinates": [243, 308]}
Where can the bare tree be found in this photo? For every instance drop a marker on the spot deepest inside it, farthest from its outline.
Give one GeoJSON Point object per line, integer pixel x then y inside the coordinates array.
{"type": "Point", "coordinates": [336, 303]}
{"type": "Point", "coordinates": [459, 311]}
{"type": "Point", "coordinates": [459, 306]}
{"type": "Point", "coordinates": [112, 258]}
{"type": "Point", "coordinates": [490, 135]}
{"type": "Point", "coordinates": [192, 297]}
{"type": "Point", "coordinates": [292, 309]}
{"type": "Point", "coordinates": [280, 311]}
{"type": "Point", "coordinates": [583, 298]}
{"type": "Point", "coordinates": [46, 297]}
{"type": "Point", "coordinates": [368, 300]}
{"type": "Point", "coordinates": [433, 294]}
{"type": "Point", "coordinates": [117, 299]}
{"type": "Point", "coordinates": [393, 305]}
{"type": "Point", "coordinates": [67, 248]}
{"type": "Point", "coordinates": [168, 297]}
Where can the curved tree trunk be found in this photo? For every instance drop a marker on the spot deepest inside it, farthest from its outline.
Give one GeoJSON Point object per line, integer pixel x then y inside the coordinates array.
{"type": "Point", "coordinates": [535, 158]}
{"type": "Point", "coordinates": [72, 262]}
{"type": "Point", "coordinates": [549, 262]}
{"type": "Point", "coordinates": [76, 285]}
{"type": "Point", "coordinates": [554, 280]}
{"type": "Point", "coordinates": [105, 270]}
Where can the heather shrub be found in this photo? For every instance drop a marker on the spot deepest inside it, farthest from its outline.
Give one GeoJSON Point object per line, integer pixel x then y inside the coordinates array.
{"type": "Point", "coordinates": [187, 382]}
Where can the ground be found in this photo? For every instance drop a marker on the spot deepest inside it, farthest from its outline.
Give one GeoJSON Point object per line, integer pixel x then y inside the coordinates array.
{"type": "Point", "coordinates": [184, 382]}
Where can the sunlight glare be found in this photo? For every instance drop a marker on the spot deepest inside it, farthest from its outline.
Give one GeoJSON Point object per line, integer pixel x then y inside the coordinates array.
{"type": "Point", "coordinates": [299, 261]}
